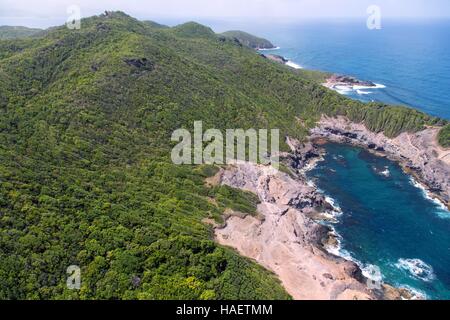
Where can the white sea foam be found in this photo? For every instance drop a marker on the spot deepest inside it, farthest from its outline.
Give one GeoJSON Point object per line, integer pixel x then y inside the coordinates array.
{"type": "Point", "coordinates": [417, 294]}
{"type": "Point", "coordinates": [293, 65]}
{"type": "Point", "coordinates": [336, 249]}
{"type": "Point", "coordinates": [311, 165]}
{"type": "Point", "coordinates": [336, 208]}
{"type": "Point", "coordinates": [443, 212]}
{"type": "Point", "coordinates": [347, 89]}
{"type": "Point", "coordinates": [386, 173]}
{"type": "Point", "coordinates": [311, 183]}
{"type": "Point", "coordinates": [363, 87]}
{"type": "Point", "coordinates": [268, 49]}
{"type": "Point", "coordinates": [371, 272]}
{"type": "Point", "coordinates": [416, 268]}
{"type": "Point", "coordinates": [343, 89]}
{"type": "Point", "coordinates": [360, 92]}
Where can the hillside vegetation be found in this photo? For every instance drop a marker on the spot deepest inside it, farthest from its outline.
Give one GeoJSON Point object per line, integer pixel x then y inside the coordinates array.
{"type": "Point", "coordinates": [15, 32]}
{"type": "Point", "coordinates": [249, 40]}
{"type": "Point", "coordinates": [86, 177]}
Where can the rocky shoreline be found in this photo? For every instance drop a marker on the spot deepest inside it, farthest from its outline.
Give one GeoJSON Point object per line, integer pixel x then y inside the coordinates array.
{"type": "Point", "coordinates": [284, 238]}
{"type": "Point", "coordinates": [335, 81]}
{"type": "Point", "coordinates": [290, 235]}
{"type": "Point", "coordinates": [418, 153]}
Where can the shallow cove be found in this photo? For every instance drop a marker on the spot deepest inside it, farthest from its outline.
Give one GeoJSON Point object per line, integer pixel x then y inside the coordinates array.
{"type": "Point", "coordinates": [386, 219]}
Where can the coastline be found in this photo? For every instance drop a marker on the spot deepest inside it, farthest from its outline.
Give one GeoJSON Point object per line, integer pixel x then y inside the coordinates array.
{"type": "Point", "coordinates": [342, 84]}
{"type": "Point", "coordinates": [290, 235]}
{"type": "Point", "coordinates": [283, 238]}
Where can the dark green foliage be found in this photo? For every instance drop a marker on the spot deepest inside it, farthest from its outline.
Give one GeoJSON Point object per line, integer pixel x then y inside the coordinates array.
{"type": "Point", "coordinates": [444, 136]}
{"type": "Point", "coordinates": [85, 172]}
{"type": "Point", "coordinates": [207, 170]}
{"type": "Point", "coordinates": [249, 40]}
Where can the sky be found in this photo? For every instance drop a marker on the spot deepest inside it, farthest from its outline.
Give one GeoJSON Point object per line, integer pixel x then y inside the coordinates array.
{"type": "Point", "coordinates": [47, 13]}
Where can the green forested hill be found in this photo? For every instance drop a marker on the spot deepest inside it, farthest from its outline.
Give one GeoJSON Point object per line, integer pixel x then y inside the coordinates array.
{"type": "Point", "coordinates": [85, 172]}
{"type": "Point", "coordinates": [14, 32]}
{"type": "Point", "coordinates": [249, 40]}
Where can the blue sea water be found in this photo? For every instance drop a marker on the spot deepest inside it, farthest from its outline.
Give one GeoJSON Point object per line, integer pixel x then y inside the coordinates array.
{"type": "Point", "coordinates": [386, 220]}
{"type": "Point", "coordinates": [410, 58]}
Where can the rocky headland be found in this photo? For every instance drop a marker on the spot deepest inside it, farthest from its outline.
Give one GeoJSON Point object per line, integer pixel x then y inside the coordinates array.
{"type": "Point", "coordinates": [289, 235]}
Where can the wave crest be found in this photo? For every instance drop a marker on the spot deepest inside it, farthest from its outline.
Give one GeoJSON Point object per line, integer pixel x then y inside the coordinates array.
{"type": "Point", "coordinates": [293, 65]}
{"type": "Point", "coordinates": [416, 268]}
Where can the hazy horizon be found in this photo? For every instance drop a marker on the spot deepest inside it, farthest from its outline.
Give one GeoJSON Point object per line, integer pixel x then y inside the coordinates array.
{"type": "Point", "coordinates": [51, 12]}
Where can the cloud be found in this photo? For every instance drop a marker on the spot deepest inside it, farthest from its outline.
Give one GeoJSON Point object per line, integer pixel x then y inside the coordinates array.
{"type": "Point", "coordinates": [48, 11]}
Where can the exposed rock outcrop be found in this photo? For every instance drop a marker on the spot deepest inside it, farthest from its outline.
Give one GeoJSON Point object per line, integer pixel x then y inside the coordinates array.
{"type": "Point", "coordinates": [285, 240]}
{"type": "Point", "coordinates": [419, 153]}
{"type": "Point", "coordinates": [141, 65]}
{"type": "Point", "coordinates": [344, 80]}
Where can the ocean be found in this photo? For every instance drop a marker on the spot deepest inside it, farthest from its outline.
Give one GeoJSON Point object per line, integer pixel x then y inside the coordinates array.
{"type": "Point", "coordinates": [409, 60]}
{"type": "Point", "coordinates": [386, 220]}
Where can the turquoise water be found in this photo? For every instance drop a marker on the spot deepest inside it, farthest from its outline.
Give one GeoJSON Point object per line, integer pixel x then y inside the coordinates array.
{"type": "Point", "coordinates": [410, 58]}
{"type": "Point", "coordinates": [387, 221]}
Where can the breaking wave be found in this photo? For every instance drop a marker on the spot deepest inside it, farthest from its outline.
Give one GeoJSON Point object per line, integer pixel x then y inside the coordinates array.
{"type": "Point", "coordinates": [416, 268]}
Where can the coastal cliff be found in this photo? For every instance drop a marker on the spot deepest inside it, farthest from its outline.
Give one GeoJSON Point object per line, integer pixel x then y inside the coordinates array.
{"type": "Point", "coordinates": [287, 237]}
